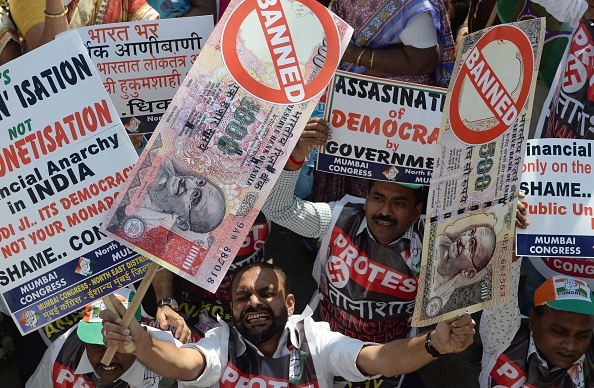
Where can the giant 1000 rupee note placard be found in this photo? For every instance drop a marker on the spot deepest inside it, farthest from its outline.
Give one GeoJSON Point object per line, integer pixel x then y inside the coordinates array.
{"type": "Point", "coordinates": [467, 251]}
{"type": "Point", "coordinates": [225, 137]}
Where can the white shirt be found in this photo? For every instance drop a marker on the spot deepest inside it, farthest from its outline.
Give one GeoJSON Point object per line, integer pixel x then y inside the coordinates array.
{"type": "Point", "coordinates": [565, 10]}
{"type": "Point", "coordinates": [333, 353]}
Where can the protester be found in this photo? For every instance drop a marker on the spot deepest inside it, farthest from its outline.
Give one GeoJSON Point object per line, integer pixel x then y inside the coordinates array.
{"type": "Point", "coordinates": [367, 267]}
{"type": "Point", "coordinates": [39, 21]}
{"type": "Point", "coordinates": [270, 344]}
{"type": "Point", "coordinates": [200, 308]}
{"type": "Point", "coordinates": [74, 359]}
{"type": "Point", "coordinates": [407, 41]}
{"type": "Point", "coordinates": [551, 348]}
{"type": "Point", "coordinates": [414, 43]}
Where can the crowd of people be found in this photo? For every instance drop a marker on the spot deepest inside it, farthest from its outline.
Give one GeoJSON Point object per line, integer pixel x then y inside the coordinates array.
{"type": "Point", "coordinates": [248, 332]}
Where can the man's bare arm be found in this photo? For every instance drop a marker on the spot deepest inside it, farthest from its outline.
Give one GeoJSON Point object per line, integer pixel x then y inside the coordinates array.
{"type": "Point", "coordinates": [408, 355]}
{"type": "Point", "coordinates": [164, 358]}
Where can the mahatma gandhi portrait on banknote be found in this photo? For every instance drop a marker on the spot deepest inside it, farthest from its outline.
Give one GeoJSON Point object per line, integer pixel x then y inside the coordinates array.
{"type": "Point", "coordinates": [463, 252]}
{"type": "Point", "coordinates": [179, 199]}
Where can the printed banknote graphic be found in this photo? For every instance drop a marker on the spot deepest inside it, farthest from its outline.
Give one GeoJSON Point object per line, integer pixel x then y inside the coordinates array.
{"type": "Point", "coordinates": [469, 234]}
{"type": "Point", "coordinates": [225, 137]}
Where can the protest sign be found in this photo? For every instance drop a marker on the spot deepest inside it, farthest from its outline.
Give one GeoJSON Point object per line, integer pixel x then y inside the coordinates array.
{"type": "Point", "coordinates": [466, 261]}
{"type": "Point", "coordinates": [381, 129]}
{"type": "Point", "coordinates": [143, 63]}
{"type": "Point", "coordinates": [555, 177]}
{"type": "Point", "coordinates": [64, 156]}
{"type": "Point", "coordinates": [203, 177]}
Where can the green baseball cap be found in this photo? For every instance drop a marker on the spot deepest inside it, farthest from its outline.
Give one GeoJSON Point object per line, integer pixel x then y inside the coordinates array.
{"type": "Point", "coordinates": [90, 326]}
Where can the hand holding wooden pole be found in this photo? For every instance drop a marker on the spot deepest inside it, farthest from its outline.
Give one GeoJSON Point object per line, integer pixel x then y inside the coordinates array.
{"type": "Point", "coordinates": [129, 315]}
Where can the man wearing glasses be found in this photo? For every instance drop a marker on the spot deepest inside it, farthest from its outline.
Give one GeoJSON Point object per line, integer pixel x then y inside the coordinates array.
{"type": "Point", "coordinates": [467, 253]}
{"type": "Point", "coordinates": [463, 257]}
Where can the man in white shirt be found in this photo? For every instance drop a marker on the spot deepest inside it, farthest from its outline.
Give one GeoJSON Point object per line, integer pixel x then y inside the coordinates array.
{"type": "Point", "coordinates": [370, 256]}
{"type": "Point", "coordinates": [268, 345]}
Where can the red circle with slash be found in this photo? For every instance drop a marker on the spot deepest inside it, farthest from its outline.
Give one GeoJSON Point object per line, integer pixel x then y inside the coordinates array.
{"type": "Point", "coordinates": [288, 67]}
{"type": "Point", "coordinates": [476, 72]}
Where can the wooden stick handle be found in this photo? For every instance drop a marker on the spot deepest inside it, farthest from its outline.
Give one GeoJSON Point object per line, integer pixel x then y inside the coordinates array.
{"type": "Point", "coordinates": [129, 315]}
{"type": "Point", "coordinates": [111, 307]}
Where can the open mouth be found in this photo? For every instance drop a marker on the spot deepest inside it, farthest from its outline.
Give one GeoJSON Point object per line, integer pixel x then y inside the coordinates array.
{"type": "Point", "coordinates": [256, 318]}
{"type": "Point", "coordinates": [566, 355]}
{"type": "Point", "coordinates": [107, 368]}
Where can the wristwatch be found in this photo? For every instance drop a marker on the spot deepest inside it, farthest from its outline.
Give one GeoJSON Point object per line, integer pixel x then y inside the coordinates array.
{"type": "Point", "coordinates": [429, 347]}
{"type": "Point", "coordinates": [168, 302]}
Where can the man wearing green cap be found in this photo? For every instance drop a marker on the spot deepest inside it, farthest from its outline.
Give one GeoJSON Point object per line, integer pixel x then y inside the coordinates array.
{"type": "Point", "coordinates": [368, 264]}
{"type": "Point", "coordinates": [74, 359]}
{"type": "Point", "coordinates": [551, 348]}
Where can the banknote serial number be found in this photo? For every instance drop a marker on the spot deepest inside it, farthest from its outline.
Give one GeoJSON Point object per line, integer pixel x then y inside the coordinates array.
{"type": "Point", "coordinates": [236, 129]}
{"type": "Point", "coordinates": [221, 258]}
{"type": "Point", "coordinates": [484, 166]}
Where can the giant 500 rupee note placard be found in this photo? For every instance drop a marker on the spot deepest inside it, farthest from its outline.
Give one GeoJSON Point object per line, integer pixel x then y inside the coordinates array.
{"type": "Point", "coordinates": [466, 262]}
{"type": "Point", "coordinates": [225, 137]}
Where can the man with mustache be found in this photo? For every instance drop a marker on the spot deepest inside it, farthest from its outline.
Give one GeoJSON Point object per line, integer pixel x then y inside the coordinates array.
{"type": "Point", "coordinates": [74, 359]}
{"type": "Point", "coordinates": [370, 256]}
{"type": "Point", "coordinates": [269, 346]}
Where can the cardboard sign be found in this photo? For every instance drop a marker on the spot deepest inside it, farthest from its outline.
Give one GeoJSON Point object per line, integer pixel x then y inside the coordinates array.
{"type": "Point", "coordinates": [64, 156]}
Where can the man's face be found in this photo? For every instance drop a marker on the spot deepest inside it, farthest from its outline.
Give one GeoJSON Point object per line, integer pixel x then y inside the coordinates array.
{"type": "Point", "coordinates": [120, 363]}
{"type": "Point", "coordinates": [177, 193]}
{"type": "Point", "coordinates": [260, 308]}
{"type": "Point", "coordinates": [390, 209]}
{"type": "Point", "coordinates": [560, 336]}
{"type": "Point", "coordinates": [465, 252]}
